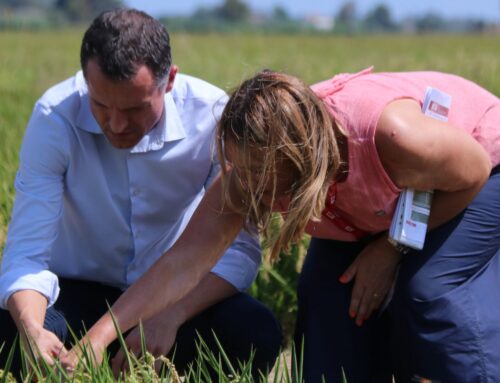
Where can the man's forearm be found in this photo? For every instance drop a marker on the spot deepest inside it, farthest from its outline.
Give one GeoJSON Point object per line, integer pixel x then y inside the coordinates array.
{"type": "Point", "coordinates": [27, 308]}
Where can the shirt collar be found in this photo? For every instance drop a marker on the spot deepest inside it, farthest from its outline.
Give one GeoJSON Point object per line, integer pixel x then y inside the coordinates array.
{"type": "Point", "coordinates": [166, 129]}
{"type": "Point", "coordinates": [85, 119]}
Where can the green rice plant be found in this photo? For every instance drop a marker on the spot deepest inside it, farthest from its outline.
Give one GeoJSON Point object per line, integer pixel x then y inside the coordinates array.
{"type": "Point", "coordinates": [6, 377]}
{"type": "Point", "coordinates": [276, 282]}
{"type": "Point", "coordinates": [209, 364]}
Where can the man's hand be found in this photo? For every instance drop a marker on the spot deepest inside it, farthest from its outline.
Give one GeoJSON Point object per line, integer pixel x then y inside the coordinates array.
{"type": "Point", "coordinates": [43, 344]}
{"type": "Point", "coordinates": [160, 333]}
{"type": "Point", "coordinates": [373, 271]}
{"type": "Point", "coordinates": [27, 308]}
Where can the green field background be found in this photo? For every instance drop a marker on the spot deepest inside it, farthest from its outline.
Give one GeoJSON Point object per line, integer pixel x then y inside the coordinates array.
{"type": "Point", "coordinates": [31, 62]}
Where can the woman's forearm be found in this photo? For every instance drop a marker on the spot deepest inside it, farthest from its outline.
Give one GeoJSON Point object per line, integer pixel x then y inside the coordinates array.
{"type": "Point", "coordinates": [209, 233]}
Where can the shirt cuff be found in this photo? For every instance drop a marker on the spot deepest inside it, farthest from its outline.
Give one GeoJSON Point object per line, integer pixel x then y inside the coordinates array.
{"type": "Point", "coordinates": [237, 269]}
{"type": "Point", "coordinates": [240, 264]}
{"type": "Point", "coordinates": [42, 281]}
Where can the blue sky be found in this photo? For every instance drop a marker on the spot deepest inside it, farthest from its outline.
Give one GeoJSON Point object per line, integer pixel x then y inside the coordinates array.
{"type": "Point", "coordinates": [483, 9]}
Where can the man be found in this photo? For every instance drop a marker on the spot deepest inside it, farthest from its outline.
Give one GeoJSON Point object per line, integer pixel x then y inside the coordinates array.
{"type": "Point", "coordinates": [113, 164]}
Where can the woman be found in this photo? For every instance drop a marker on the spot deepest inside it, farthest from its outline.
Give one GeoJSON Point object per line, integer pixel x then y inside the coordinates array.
{"type": "Point", "coordinates": [359, 139]}
{"type": "Point", "coordinates": [333, 159]}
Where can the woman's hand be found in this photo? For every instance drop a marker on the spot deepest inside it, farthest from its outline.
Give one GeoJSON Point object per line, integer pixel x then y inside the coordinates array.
{"type": "Point", "coordinates": [28, 308]}
{"type": "Point", "coordinates": [84, 352]}
{"type": "Point", "coordinates": [160, 333]}
{"type": "Point", "coordinates": [373, 271]}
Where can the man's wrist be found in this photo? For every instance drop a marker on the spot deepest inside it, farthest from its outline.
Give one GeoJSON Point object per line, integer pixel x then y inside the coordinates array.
{"type": "Point", "coordinates": [30, 329]}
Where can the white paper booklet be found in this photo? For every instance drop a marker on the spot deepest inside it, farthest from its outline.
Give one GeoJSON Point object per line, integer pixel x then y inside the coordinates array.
{"type": "Point", "coordinates": [409, 224]}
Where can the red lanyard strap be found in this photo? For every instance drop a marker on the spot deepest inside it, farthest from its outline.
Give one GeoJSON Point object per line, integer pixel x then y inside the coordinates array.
{"type": "Point", "coordinates": [334, 217]}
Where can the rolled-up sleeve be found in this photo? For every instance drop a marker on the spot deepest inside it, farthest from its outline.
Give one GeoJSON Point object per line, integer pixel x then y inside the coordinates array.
{"type": "Point", "coordinates": [37, 208]}
{"type": "Point", "coordinates": [240, 264]}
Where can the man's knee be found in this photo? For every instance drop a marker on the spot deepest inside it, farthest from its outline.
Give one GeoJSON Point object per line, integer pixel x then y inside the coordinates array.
{"type": "Point", "coordinates": [256, 322]}
{"type": "Point", "coordinates": [56, 323]}
{"type": "Point", "coordinates": [253, 331]}
{"type": "Point", "coordinates": [8, 341]}
{"type": "Point", "coordinates": [243, 326]}
{"type": "Point", "coordinates": [8, 332]}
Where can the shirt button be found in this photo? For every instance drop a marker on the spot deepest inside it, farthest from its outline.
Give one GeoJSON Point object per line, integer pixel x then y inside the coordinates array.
{"type": "Point", "coordinates": [136, 192]}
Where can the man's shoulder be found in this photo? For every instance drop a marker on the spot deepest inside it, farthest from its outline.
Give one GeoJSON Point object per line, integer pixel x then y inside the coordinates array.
{"type": "Point", "coordinates": [65, 94]}
{"type": "Point", "coordinates": [187, 87]}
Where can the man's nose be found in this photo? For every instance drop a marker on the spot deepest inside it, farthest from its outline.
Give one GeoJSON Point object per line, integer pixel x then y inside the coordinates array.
{"type": "Point", "coordinates": [118, 121]}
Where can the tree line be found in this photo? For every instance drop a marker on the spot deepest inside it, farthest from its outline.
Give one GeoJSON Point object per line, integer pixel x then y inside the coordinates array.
{"type": "Point", "coordinates": [47, 13]}
{"type": "Point", "coordinates": [231, 15]}
{"type": "Point", "coordinates": [237, 14]}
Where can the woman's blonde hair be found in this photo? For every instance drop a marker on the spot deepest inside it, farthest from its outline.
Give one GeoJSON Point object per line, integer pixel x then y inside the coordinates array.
{"type": "Point", "coordinates": [279, 117]}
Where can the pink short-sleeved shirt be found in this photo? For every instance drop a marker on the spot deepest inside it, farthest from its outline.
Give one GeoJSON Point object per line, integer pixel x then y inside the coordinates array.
{"type": "Point", "coordinates": [368, 197]}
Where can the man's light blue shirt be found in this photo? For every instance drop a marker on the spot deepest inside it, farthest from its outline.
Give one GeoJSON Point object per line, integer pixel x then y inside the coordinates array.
{"type": "Point", "coordinates": [87, 210]}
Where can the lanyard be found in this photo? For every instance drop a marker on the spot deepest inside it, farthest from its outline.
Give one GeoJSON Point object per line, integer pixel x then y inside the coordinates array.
{"type": "Point", "coordinates": [334, 217]}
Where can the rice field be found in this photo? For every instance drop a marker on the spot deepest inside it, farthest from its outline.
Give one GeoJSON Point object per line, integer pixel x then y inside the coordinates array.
{"type": "Point", "coordinates": [31, 62]}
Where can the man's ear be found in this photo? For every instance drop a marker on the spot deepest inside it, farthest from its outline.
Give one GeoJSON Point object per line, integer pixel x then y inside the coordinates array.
{"type": "Point", "coordinates": [171, 78]}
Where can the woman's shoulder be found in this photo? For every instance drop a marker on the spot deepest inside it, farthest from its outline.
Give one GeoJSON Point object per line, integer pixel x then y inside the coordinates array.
{"type": "Point", "coordinates": [357, 101]}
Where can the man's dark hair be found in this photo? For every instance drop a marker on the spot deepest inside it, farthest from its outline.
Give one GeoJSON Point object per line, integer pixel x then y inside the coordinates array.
{"type": "Point", "coordinates": [121, 40]}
